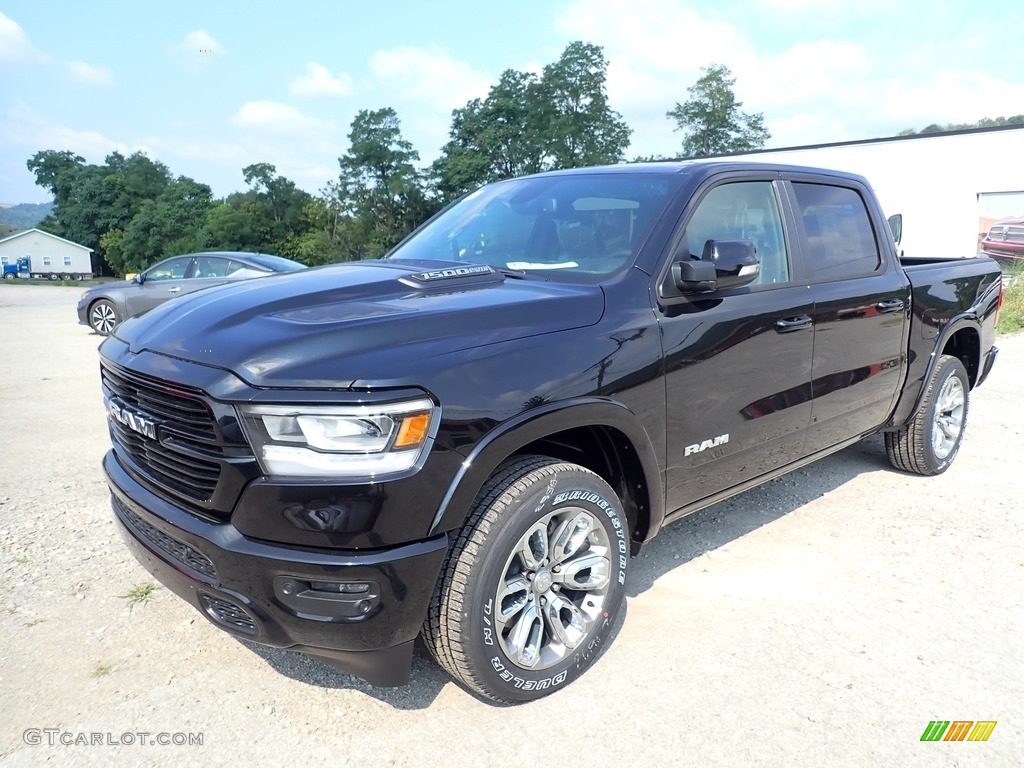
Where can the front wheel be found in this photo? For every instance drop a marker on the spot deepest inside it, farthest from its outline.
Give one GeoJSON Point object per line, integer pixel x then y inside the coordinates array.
{"type": "Point", "coordinates": [103, 317]}
{"type": "Point", "coordinates": [532, 586]}
{"type": "Point", "coordinates": [929, 443]}
{"type": "Point", "coordinates": [9, 275]}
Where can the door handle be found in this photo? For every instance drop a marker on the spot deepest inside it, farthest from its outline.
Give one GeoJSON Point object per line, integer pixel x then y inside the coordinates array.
{"type": "Point", "coordinates": [175, 289]}
{"type": "Point", "coordinates": [791, 324]}
{"type": "Point", "coordinates": [895, 305]}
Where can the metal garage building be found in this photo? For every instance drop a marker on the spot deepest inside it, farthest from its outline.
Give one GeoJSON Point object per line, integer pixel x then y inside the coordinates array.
{"type": "Point", "coordinates": [48, 254]}
{"type": "Point", "coordinates": [949, 187]}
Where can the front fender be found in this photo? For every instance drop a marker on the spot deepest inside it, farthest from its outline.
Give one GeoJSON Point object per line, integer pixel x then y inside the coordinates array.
{"type": "Point", "coordinates": [512, 435]}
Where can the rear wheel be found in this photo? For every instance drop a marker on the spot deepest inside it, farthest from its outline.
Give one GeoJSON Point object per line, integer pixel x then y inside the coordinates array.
{"type": "Point", "coordinates": [930, 442]}
{"type": "Point", "coordinates": [104, 317]}
{"type": "Point", "coordinates": [531, 587]}
{"type": "Point", "coordinates": [65, 277]}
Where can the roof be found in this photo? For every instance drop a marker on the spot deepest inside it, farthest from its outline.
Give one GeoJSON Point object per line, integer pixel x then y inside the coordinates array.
{"type": "Point", "coordinates": [19, 234]}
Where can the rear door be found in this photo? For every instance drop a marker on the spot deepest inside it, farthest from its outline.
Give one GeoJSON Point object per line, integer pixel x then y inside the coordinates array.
{"type": "Point", "coordinates": [861, 309]}
{"type": "Point", "coordinates": [738, 361]}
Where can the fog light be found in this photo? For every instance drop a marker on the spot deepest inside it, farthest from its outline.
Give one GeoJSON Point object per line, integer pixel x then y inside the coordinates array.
{"type": "Point", "coordinates": [340, 587]}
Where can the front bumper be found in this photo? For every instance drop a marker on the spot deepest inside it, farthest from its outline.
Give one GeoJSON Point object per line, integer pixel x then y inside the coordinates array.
{"type": "Point", "coordinates": [274, 594]}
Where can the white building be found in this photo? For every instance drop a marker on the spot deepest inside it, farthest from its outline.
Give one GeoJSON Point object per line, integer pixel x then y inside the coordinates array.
{"type": "Point", "coordinates": [949, 187]}
{"type": "Point", "coordinates": [48, 254]}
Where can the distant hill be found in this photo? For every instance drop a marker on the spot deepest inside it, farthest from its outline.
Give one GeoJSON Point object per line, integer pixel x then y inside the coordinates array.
{"type": "Point", "coordinates": [24, 215]}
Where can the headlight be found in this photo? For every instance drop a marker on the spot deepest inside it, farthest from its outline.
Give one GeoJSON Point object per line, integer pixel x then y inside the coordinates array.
{"type": "Point", "coordinates": [365, 442]}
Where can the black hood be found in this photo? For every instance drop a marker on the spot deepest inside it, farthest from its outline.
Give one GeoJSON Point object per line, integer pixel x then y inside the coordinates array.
{"type": "Point", "coordinates": [361, 321]}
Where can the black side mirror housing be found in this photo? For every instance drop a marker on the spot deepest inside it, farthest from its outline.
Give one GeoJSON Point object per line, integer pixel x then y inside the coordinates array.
{"type": "Point", "coordinates": [694, 276]}
{"type": "Point", "coordinates": [723, 264]}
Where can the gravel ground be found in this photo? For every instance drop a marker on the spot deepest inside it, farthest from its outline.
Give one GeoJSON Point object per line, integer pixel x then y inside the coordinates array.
{"type": "Point", "coordinates": [823, 619]}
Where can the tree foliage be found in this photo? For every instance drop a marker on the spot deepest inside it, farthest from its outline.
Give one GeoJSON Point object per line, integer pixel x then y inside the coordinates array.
{"type": "Point", "coordinates": [529, 124]}
{"type": "Point", "coordinates": [985, 122]}
{"type": "Point", "coordinates": [711, 118]}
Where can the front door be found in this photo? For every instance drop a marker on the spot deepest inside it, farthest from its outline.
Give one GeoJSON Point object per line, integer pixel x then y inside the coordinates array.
{"type": "Point", "coordinates": [161, 283]}
{"type": "Point", "coordinates": [738, 361]}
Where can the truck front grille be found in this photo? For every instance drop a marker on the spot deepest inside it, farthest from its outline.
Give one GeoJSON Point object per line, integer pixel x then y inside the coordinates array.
{"type": "Point", "coordinates": [183, 463]}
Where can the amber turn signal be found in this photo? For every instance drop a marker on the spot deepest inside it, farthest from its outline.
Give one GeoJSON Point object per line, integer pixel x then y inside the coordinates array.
{"type": "Point", "coordinates": [413, 430]}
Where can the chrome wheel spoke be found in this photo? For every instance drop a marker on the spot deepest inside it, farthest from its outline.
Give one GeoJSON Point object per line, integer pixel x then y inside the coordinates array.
{"type": "Point", "coordinates": [570, 536]}
{"type": "Point", "coordinates": [565, 621]}
{"type": "Point", "coordinates": [511, 599]}
{"type": "Point", "coordinates": [588, 572]}
{"type": "Point", "coordinates": [533, 548]}
{"type": "Point", "coordinates": [524, 639]}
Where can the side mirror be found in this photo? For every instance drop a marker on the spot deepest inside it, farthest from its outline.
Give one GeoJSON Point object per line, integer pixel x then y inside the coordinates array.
{"type": "Point", "coordinates": [896, 227]}
{"type": "Point", "coordinates": [138, 279]}
{"type": "Point", "coordinates": [723, 264]}
{"type": "Point", "coordinates": [694, 276]}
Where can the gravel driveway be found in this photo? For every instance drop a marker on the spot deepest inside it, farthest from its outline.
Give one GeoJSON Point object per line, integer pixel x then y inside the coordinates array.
{"type": "Point", "coordinates": [821, 620]}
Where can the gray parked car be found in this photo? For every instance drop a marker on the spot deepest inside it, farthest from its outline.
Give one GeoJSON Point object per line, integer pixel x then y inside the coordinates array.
{"type": "Point", "coordinates": [104, 307]}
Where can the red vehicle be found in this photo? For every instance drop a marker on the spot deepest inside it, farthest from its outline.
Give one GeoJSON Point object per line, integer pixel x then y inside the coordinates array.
{"type": "Point", "coordinates": [1005, 242]}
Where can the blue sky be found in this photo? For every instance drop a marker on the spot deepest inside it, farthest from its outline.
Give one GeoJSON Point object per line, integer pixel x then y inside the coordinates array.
{"type": "Point", "coordinates": [283, 80]}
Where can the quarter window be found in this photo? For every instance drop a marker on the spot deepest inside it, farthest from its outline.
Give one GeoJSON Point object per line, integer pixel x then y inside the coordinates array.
{"type": "Point", "coordinates": [743, 211]}
{"type": "Point", "coordinates": [841, 241]}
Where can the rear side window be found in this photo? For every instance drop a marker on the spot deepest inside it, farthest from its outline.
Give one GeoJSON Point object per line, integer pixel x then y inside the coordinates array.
{"type": "Point", "coordinates": [840, 237]}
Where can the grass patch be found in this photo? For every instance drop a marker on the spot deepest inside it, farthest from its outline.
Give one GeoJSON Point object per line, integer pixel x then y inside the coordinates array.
{"type": "Point", "coordinates": [140, 593]}
{"type": "Point", "coordinates": [102, 670]}
{"type": "Point", "coordinates": [1011, 316]}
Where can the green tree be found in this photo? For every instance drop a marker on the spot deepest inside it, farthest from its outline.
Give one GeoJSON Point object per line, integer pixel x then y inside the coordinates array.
{"type": "Point", "coordinates": [380, 192]}
{"type": "Point", "coordinates": [529, 124]}
{"type": "Point", "coordinates": [712, 121]}
{"type": "Point", "coordinates": [581, 128]}
{"type": "Point", "coordinates": [985, 122]}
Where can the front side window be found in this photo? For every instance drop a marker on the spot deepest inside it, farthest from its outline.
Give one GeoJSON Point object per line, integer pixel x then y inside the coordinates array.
{"type": "Point", "coordinates": [745, 210]}
{"type": "Point", "coordinates": [841, 241]}
{"type": "Point", "coordinates": [579, 227]}
{"type": "Point", "coordinates": [174, 269]}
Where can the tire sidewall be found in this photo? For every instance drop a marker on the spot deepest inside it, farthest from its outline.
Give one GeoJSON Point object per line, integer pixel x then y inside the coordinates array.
{"type": "Point", "coordinates": [946, 369]}
{"type": "Point", "coordinates": [566, 488]}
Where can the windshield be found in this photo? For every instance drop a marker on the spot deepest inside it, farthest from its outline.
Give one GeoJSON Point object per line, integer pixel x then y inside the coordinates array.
{"type": "Point", "coordinates": [583, 226]}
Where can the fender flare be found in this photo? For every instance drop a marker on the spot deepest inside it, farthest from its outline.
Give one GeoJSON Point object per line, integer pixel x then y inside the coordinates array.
{"type": "Point", "coordinates": [535, 424]}
{"type": "Point", "coordinates": [956, 324]}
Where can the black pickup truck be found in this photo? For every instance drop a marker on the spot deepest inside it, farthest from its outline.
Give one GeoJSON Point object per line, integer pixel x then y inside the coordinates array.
{"type": "Point", "coordinates": [468, 439]}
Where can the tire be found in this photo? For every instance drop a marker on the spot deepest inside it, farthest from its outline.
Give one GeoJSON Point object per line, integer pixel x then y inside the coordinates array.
{"type": "Point", "coordinates": [931, 440]}
{"type": "Point", "coordinates": [9, 275]}
{"type": "Point", "coordinates": [104, 317]}
{"type": "Point", "coordinates": [65, 277]}
{"type": "Point", "coordinates": [53, 276]}
{"type": "Point", "coordinates": [485, 576]}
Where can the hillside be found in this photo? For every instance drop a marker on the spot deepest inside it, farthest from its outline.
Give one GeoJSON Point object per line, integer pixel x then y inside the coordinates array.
{"type": "Point", "coordinates": [24, 215]}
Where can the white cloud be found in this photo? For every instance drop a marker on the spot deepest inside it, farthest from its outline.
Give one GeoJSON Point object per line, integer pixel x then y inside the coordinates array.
{"type": "Point", "coordinates": [14, 43]}
{"type": "Point", "coordinates": [198, 48]}
{"type": "Point", "coordinates": [429, 76]}
{"type": "Point", "coordinates": [318, 81]}
{"type": "Point", "coordinates": [817, 90]}
{"type": "Point", "coordinates": [90, 74]}
{"type": "Point", "coordinates": [278, 118]}
{"type": "Point", "coordinates": [24, 126]}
